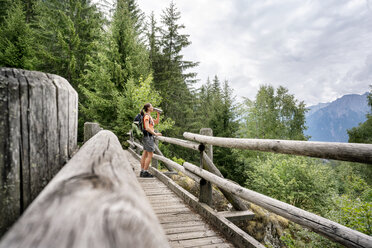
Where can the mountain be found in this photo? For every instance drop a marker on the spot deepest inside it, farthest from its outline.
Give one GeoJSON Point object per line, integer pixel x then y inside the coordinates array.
{"type": "Point", "coordinates": [329, 121]}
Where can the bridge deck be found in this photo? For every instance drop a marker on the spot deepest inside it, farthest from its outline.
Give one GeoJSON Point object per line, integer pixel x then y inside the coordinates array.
{"type": "Point", "coordinates": [183, 227]}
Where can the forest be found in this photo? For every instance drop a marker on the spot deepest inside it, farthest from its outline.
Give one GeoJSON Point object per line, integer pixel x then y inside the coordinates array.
{"type": "Point", "coordinates": [120, 59]}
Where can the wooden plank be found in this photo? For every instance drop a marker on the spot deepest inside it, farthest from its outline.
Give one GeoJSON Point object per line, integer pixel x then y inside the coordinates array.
{"type": "Point", "coordinates": [178, 217]}
{"type": "Point", "coordinates": [72, 119]}
{"type": "Point", "coordinates": [198, 242]}
{"type": "Point", "coordinates": [323, 226]}
{"type": "Point", "coordinates": [10, 195]}
{"type": "Point", "coordinates": [191, 235]}
{"type": "Point", "coordinates": [186, 229]}
{"type": "Point", "coordinates": [94, 201]}
{"type": "Point", "coordinates": [162, 210]}
{"type": "Point", "coordinates": [224, 245]}
{"type": "Point", "coordinates": [62, 117]}
{"type": "Point", "coordinates": [25, 150]}
{"type": "Point", "coordinates": [237, 215]}
{"type": "Point", "coordinates": [37, 135]}
{"type": "Point", "coordinates": [330, 150]}
{"type": "Point", "coordinates": [172, 225]}
{"type": "Point", "coordinates": [51, 126]}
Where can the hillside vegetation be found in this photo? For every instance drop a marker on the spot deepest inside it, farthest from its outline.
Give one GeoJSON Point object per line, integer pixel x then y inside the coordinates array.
{"type": "Point", "coordinates": [119, 64]}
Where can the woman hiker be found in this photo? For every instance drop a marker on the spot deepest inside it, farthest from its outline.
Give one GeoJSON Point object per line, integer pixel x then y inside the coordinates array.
{"type": "Point", "coordinates": [148, 138]}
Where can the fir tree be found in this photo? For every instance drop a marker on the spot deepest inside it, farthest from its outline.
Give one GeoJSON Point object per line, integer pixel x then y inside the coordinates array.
{"type": "Point", "coordinates": [16, 39]}
{"type": "Point", "coordinates": [66, 32]}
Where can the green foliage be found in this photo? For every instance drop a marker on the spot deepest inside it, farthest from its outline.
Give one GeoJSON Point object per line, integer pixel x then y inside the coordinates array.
{"type": "Point", "coordinates": [178, 160]}
{"type": "Point", "coordinates": [273, 115]}
{"type": "Point", "coordinates": [129, 58]}
{"type": "Point", "coordinates": [16, 39]}
{"type": "Point", "coordinates": [66, 31]}
{"type": "Point", "coordinates": [132, 101]}
{"type": "Point", "coordinates": [300, 181]}
{"type": "Point", "coordinates": [363, 132]}
{"type": "Point", "coordinates": [353, 212]}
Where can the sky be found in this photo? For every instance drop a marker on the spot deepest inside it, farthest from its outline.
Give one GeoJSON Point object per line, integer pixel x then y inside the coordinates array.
{"type": "Point", "coordinates": [319, 50]}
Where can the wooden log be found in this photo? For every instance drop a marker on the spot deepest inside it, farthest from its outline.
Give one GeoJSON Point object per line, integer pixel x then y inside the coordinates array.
{"type": "Point", "coordinates": [33, 137]}
{"type": "Point", "coordinates": [237, 203]}
{"type": "Point", "coordinates": [90, 129]}
{"type": "Point", "coordinates": [179, 142]}
{"type": "Point", "coordinates": [170, 163]}
{"type": "Point", "coordinates": [329, 150]}
{"type": "Point", "coordinates": [94, 201]}
{"type": "Point", "coordinates": [10, 132]}
{"type": "Point", "coordinates": [158, 152]}
{"type": "Point", "coordinates": [205, 192]}
{"type": "Point", "coordinates": [325, 227]}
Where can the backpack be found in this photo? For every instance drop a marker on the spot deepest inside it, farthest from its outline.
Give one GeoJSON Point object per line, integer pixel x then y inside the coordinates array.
{"type": "Point", "coordinates": [137, 127]}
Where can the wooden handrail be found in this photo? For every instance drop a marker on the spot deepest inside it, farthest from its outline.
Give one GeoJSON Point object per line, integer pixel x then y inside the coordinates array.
{"type": "Point", "coordinates": [94, 201]}
{"type": "Point", "coordinates": [169, 162]}
{"type": "Point", "coordinates": [329, 150]}
{"type": "Point", "coordinates": [325, 227]}
{"type": "Point", "coordinates": [179, 142]}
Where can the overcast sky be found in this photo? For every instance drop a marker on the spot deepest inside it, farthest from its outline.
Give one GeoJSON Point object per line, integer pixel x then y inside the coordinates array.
{"type": "Point", "coordinates": [319, 49]}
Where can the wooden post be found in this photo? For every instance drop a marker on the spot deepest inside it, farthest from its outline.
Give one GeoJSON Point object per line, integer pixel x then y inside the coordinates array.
{"type": "Point", "coordinates": [90, 129]}
{"type": "Point", "coordinates": [205, 195]}
{"type": "Point", "coordinates": [154, 162]}
{"type": "Point", "coordinates": [37, 136]}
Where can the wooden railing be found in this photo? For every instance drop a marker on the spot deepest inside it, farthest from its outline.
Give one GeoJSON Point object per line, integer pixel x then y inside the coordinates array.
{"type": "Point", "coordinates": [94, 201]}
{"type": "Point", "coordinates": [339, 151]}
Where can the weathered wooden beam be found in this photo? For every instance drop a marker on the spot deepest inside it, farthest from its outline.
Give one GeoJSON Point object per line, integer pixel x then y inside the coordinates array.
{"type": "Point", "coordinates": [237, 203]}
{"type": "Point", "coordinates": [35, 136]}
{"type": "Point", "coordinates": [179, 142]}
{"type": "Point", "coordinates": [205, 192]}
{"type": "Point", "coordinates": [329, 150]}
{"type": "Point", "coordinates": [90, 129]}
{"type": "Point", "coordinates": [325, 227]}
{"type": "Point", "coordinates": [94, 201]}
{"type": "Point", "coordinates": [237, 215]}
{"type": "Point", "coordinates": [170, 163]}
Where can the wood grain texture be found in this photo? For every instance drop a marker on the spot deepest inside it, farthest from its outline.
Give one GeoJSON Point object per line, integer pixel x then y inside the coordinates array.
{"type": "Point", "coordinates": [94, 201]}
{"type": "Point", "coordinates": [90, 129]}
{"type": "Point", "coordinates": [329, 150]}
{"type": "Point", "coordinates": [184, 227]}
{"type": "Point", "coordinates": [325, 227]}
{"type": "Point", "coordinates": [10, 195]}
{"type": "Point", "coordinates": [34, 136]}
{"type": "Point", "coordinates": [234, 234]}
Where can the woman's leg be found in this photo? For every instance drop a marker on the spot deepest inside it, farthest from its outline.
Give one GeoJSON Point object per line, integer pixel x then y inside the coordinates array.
{"type": "Point", "coordinates": [147, 160]}
{"type": "Point", "coordinates": [143, 159]}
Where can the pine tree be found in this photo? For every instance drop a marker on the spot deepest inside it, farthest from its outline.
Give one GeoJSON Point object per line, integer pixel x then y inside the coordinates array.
{"type": "Point", "coordinates": [170, 74]}
{"type": "Point", "coordinates": [130, 59]}
{"type": "Point", "coordinates": [66, 31]}
{"type": "Point", "coordinates": [16, 39]}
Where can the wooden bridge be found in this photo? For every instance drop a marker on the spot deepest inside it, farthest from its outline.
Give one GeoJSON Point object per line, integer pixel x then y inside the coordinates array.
{"type": "Point", "coordinates": [97, 199]}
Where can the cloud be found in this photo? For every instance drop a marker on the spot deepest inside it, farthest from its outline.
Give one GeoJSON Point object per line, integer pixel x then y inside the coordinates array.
{"type": "Point", "coordinates": [319, 50]}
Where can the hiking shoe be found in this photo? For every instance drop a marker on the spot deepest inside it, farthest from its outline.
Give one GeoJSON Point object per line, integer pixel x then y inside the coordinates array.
{"type": "Point", "coordinates": [141, 174]}
{"type": "Point", "coordinates": [146, 174]}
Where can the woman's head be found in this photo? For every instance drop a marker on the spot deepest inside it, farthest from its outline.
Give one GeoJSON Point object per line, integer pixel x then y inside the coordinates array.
{"type": "Point", "coordinates": [147, 108]}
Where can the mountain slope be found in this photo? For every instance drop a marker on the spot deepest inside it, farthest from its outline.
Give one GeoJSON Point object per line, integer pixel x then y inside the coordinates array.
{"type": "Point", "coordinates": [329, 121]}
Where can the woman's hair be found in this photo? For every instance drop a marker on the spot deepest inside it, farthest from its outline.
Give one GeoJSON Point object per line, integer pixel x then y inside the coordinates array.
{"type": "Point", "coordinates": [145, 107]}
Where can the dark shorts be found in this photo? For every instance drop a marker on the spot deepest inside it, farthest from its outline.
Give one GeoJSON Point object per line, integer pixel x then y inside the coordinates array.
{"type": "Point", "coordinates": [148, 143]}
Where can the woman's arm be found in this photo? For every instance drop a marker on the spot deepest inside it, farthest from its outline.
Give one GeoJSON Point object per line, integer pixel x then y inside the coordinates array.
{"type": "Point", "coordinates": [157, 118]}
